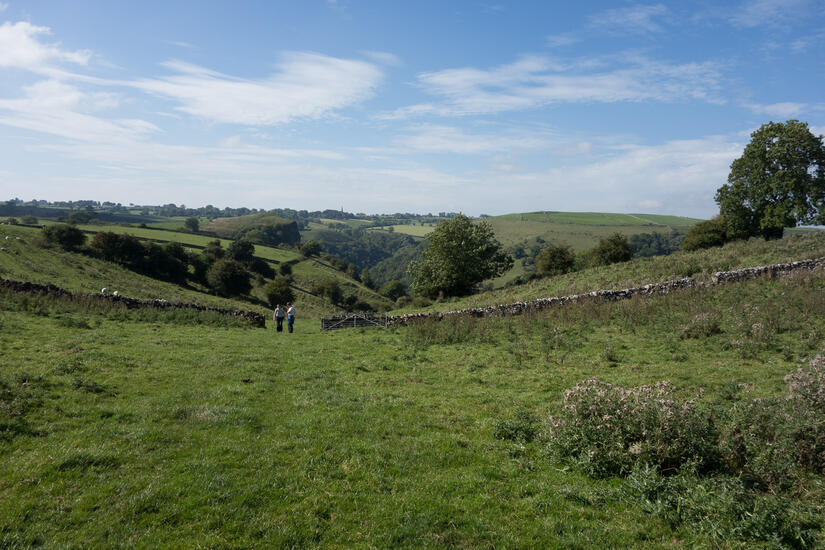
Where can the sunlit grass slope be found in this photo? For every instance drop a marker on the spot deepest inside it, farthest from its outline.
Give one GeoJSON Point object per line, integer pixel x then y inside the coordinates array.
{"type": "Point", "coordinates": [150, 434]}
{"type": "Point", "coordinates": [700, 264]}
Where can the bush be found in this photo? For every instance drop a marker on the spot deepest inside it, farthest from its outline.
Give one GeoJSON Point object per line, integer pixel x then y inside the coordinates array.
{"type": "Point", "coordinates": [611, 250]}
{"type": "Point", "coordinates": [706, 234]}
{"type": "Point", "coordinates": [67, 237]}
{"type": "Point", "coordinates": [28, 220]}
{"type": "Point", "coordinates": [310, 248]}
{"type": "Point", "coordinates": [242, 251]}
{"type": "Point", "coordinates": [228, 277]}
{"type": "Point", "coordinates": [610, 429]}
{"type": "Point", "coordinates": [279, 292]}
{"type": "Point", "coordinates": [262, 267]}
{"type": "Point", "coordinates": [555, 260]}
{"type": "Point", "coordinates": [285, 269]}
{"type": "Point", "coordinates": [329, 289]}
{"type": "Point", "coordinates": [393, 290]}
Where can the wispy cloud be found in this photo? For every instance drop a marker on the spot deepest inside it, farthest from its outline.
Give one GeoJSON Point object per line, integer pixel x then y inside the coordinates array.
{"type": "Point", "coordinates": [637, 19]}
{"type": "Point", "coordinates": [754, 13]}
{"type": "Point", "coordinates": [20, 47]}
{"type": "Point", "coordinates": [448, 139]}
{"type": "Point", "coordinates": [534, 81]}
{"type": "Point", "coordinates": [3, 6]}
{"type": "Point", "coordinates": [562, 39]}
{"type": "Point", "coordinates": [57, 108]}
{"type": "Point", "coordinates": [787, 109]}
{"type": "Point", "coordinates": [307, 85]}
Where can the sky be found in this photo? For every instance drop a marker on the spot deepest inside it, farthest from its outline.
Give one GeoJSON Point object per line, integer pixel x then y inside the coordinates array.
{"type": "Point", "coordinates": [479, 107]}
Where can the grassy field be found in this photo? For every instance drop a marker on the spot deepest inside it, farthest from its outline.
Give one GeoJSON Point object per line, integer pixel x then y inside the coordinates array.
{"type": "Point", "coordinates": [701, 265]}
{"type": "Point", "coordinates": [408, 229]}
{"type": "Point", "coordinates": [125, 433]}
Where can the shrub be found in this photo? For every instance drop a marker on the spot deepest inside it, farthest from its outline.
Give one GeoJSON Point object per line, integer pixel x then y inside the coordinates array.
{"type": "Point", "coordinates": [279, 292]}
{"type": "Point", "coordinates": [611, 250]}
{"type": "Point", "coordinates": [702, 326]}
{"type": "Point", "coordinates": [706, 234]}
{"type": "Point", "coordinates": [609, 429]}
{"type": "Point", "coordinates": [67, 237]}
{"type": "Point", "coordinates": [556, 260]}
{"type": "Point", "coordinates": [228, 278]}
{"type": "Point", "coordinates": [262, 267]}
{"type": "Point", "coordinates": [393, 290]}
{"type": "Point", "coordinates": [330, 289]}
{"type": "Point", "coordinates": [241, 250]}
{"type": "Point", "coordinates": [285, 269]}
{"type": "Point", "coordinates": [28, 220]}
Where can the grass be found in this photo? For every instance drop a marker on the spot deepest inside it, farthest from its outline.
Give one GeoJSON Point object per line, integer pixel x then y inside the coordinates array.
{"type": "Point", "coordinates": [142, 433]}
{"type": "Point", "coordinates": [700, 264]}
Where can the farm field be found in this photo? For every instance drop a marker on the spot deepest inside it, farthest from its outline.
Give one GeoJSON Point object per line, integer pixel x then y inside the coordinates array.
{"type": "Point", "coordinates": [125, 432]}
{"type": "Point", "coordinates": [581, 230]}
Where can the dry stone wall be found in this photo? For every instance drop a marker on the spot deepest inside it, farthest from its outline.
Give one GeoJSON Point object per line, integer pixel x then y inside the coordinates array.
{"type": "Point", "coordinates": [518, 308]}
{"type": "Point", "coordinates": [255, 319]}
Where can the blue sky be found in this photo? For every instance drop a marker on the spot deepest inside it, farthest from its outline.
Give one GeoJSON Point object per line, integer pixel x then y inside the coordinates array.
{"type": "Point", "coordinates": [387, 106]}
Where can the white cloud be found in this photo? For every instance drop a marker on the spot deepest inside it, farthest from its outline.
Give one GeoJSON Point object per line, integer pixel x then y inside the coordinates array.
{"type": "Point", "coordinates": [636, 19]}
{"type": "Point", "coordinates": [786, 109]}
{"type": "Point", "coordinates": [754, 13]}
{"type": "Point", "coordinates": [448, 139]}
{"type": "Point", "coordinates": [533, 81]}
{"type": "Point", "coordinates": [308, 85]}
{"type": "Point", "coordinates": [384, 58]}
{"type": "Point", "coordinates": [60, 109]}
{"type": "Point", "coordinates": [20, 47]}
{"type": "Point", "coordinates": [562, 39]}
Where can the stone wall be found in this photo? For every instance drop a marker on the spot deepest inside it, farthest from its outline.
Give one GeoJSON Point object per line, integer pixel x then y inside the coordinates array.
{"type": "Point", "coordinates": [518, 308]}
{"type": "Point", "coordinates": [256, 319]}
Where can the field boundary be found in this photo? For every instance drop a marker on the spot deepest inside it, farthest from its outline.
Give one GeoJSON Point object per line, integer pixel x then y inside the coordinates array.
{"type": "Point", "coordinates": [518, 308]}
{"type": "Point", "coordinates": [254, 318]}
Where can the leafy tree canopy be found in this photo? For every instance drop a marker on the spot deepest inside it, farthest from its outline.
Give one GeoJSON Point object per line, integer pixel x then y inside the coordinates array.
{"type": "Point", "coordinates": [778, 182]}
{"type": "Point", "coordinates": [555, 260]}
{"type": "Point", "coordinates": [460, 254]}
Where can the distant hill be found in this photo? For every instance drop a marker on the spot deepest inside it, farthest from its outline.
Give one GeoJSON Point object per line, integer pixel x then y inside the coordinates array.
{"type": "Point", "coordinates": [261, 228]}
{"type": "Point", "coordinates": [26, 260]}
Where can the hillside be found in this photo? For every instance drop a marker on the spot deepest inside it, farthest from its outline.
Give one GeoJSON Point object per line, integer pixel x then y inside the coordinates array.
{"type": "Point", "coordinates": [700, 264]}
{"type": "Point", "coordinates": [28, 261]}
{"type": "Point", "coordinates": [263, 228]}
{"type": "Point", "coordinates": [431, 435]}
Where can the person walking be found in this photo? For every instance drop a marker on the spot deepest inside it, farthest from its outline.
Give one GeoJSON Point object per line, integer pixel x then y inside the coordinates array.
{"type": "Point", "coordinates": [290, 316]}
{"type": "Point", "coordinates": [278, 317]}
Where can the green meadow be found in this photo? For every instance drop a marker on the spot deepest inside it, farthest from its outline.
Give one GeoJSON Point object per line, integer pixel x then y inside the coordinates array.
{"type": "Point", "coordinates": [151, 430]}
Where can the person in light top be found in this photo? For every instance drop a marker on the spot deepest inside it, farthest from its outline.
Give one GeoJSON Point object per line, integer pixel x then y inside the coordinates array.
{"type": "Point", "coordinates": [290, 316]}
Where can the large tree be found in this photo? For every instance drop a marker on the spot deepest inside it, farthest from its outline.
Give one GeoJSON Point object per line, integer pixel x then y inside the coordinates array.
{"type": "Point", "coordinates": [459, 255]}
{"type": "Point", "coordinates": [778, 182]}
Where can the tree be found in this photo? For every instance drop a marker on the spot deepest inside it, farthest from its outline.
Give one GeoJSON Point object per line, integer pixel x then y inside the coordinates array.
{"type": "Point", "coordinates": [279, 292]}
{"type": "Point", "coordinates": [706, 234]}
{"type": "Point", "coordinates": [228, 278]}
{"type": "Point", "coordinates": [555, 260]}
{"type": "Point", "coordinates": [611, 250]}
{"type": "Point", "coordinates": [68, 237]}
{"type": "Point", "coordinates": [242, 251]}
{"type": "Point", "coordinates": [310, 248]}
{"type": "Point", "coordinates": [192, 224]}
{"type": "Point", "coordinates": [460, 254]}
{"type": "Point", "coordinates": [778, 182]}
{"type": "Point", "coordinates": [393, 290]}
